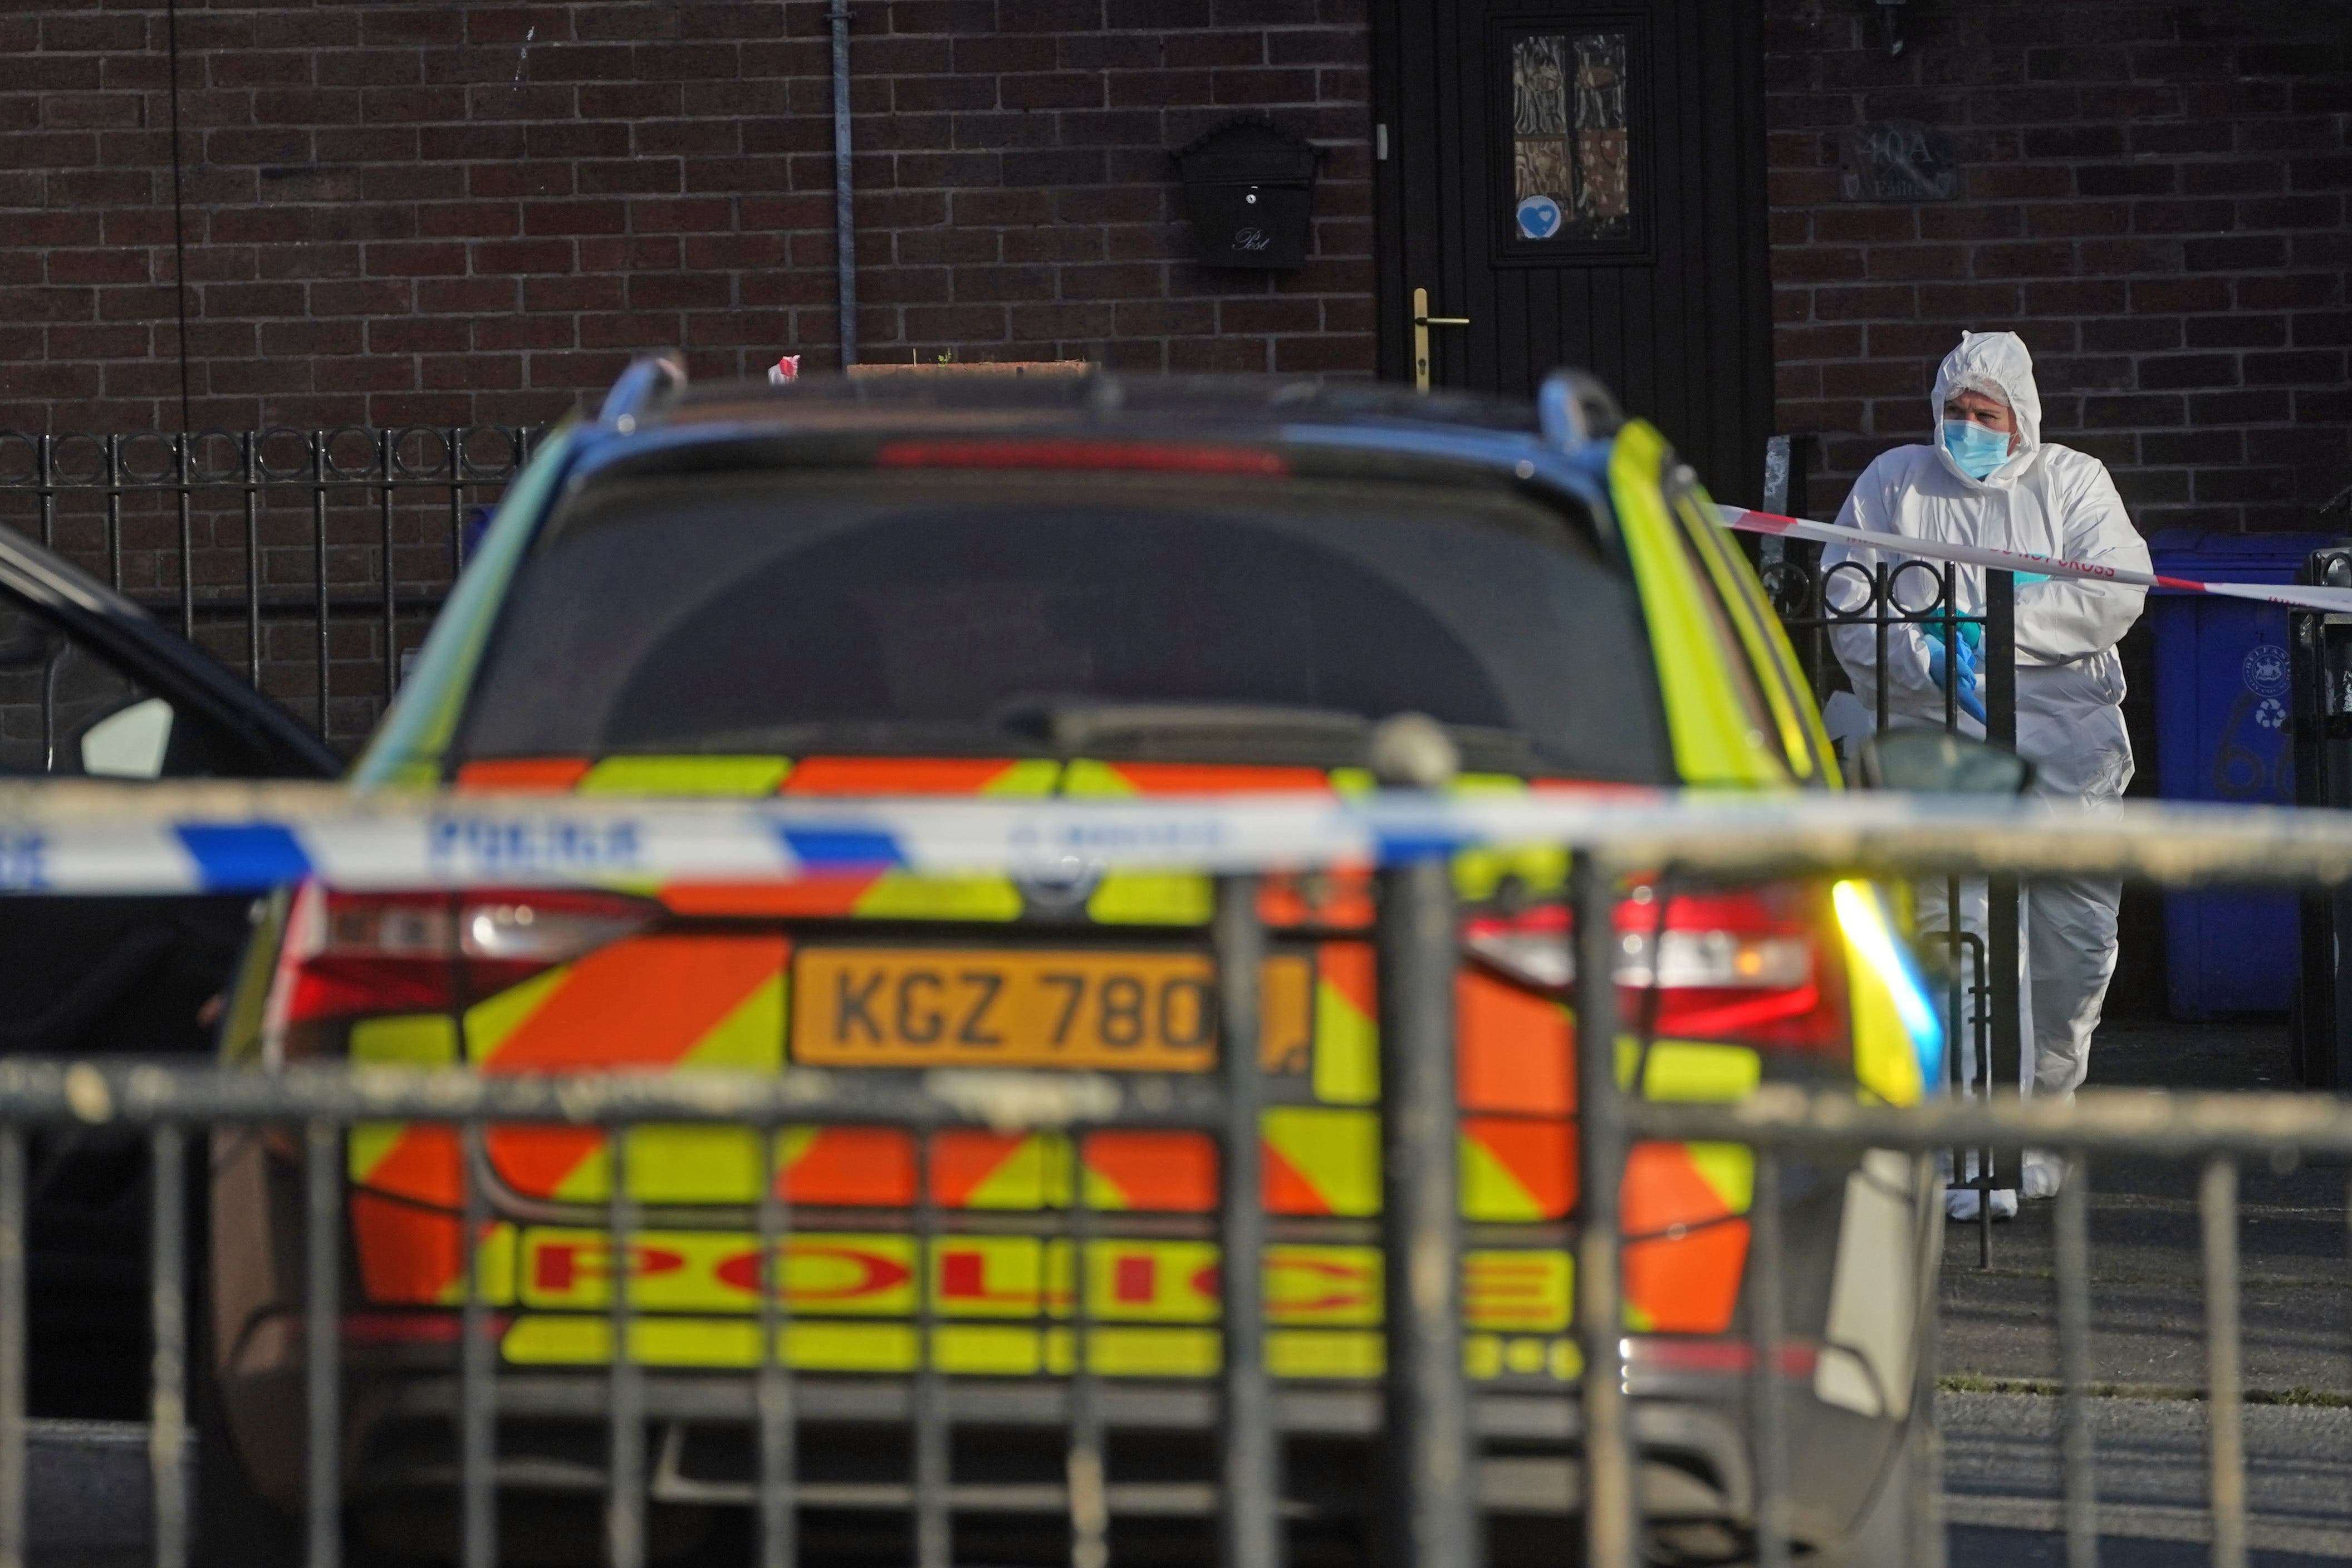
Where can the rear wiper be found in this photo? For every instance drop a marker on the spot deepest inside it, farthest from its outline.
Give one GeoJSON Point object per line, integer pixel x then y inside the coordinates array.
{"type": "Point", "coordinates": [1238, 732]}
{"type": "Point", "coordinates": [878, 737]}
{"type": "Point", "coordinates": [1080, 727]}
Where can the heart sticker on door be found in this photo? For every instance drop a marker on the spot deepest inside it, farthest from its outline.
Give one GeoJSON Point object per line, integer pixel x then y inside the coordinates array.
{"type": "Point", "coordinates": [1539, 218]}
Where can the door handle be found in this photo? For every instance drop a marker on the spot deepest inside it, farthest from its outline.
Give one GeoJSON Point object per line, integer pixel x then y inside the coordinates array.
{"type": "Point", "coordinates": [1422, 321]}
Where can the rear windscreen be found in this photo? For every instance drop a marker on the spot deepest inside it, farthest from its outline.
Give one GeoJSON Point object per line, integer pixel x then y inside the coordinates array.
{"type": "Point", "coordinates": [940, 612]}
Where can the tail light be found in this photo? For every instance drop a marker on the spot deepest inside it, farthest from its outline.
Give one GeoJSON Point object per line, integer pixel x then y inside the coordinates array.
{"type": "Point", "coordinates": [350, 956]}
{"type": "Point", "coordinates": [1751, 966]}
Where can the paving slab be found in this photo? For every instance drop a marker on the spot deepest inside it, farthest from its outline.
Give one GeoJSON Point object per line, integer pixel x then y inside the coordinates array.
{"type": "Point", "coordinates": [2147, 1275]}
{"type": "Point", "coordinates": [89, 1496]}
{"type": "Point", "coordinates": [2003, 1491]}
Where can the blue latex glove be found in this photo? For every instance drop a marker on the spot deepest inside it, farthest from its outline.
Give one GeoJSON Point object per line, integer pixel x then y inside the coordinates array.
{"type": "Point", "coordinates": [2022, 578]}
{"type": "Point", "coordinates": [1971, 635]}
{"type": "Point", "coordinates": [1958, 656]}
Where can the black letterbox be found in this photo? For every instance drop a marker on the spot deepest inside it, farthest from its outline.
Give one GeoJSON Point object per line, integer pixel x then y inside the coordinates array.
{"type": "Point", "coordinates": [1249, 187]}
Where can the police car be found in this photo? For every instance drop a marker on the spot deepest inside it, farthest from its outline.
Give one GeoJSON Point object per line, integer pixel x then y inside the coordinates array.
{"type": "Point", "coordinates": [1089, 588]}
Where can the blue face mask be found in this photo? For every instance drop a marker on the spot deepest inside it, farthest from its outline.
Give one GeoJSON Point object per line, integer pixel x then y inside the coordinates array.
{"type": "Point", "coordinates": [1977, 450]}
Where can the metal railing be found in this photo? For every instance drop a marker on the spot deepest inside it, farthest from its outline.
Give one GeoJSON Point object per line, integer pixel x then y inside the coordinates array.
{"type": "Point", "coordinates": [1430, 1423]}
{"type": "Point", "coordinates": [261, 544]}
{"type": "Point", "coordinates": [1980, 972]}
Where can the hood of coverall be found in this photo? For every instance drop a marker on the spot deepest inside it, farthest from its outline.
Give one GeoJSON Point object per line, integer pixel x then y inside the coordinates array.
{"type": "Point", "coordinates": [1996, 363]}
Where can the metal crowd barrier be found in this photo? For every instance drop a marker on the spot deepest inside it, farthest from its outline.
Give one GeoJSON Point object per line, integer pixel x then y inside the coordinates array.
{"type": "Point", "coordinates": [2214, 1130]}
{"type": "Point", "coordinates": [1427, 1490]}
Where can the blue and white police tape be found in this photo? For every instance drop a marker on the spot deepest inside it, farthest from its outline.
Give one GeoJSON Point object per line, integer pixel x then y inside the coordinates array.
{"type": "Point", "coordinates": [75, 837]}
{"type": "Point", "coordinates": [70, 837]}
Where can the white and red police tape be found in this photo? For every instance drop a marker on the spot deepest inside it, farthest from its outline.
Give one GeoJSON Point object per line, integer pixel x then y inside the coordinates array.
{"type": "Point", "coordinates": [2296, 596]}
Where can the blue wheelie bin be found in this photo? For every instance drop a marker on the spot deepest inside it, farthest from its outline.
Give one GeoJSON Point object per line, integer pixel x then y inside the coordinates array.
{"type": "Point", "coordinates": [2222, 687]}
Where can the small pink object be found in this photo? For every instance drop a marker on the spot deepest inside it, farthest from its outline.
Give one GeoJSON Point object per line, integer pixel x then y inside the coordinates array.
{"type": "Point", "coordinates": [785, 369]}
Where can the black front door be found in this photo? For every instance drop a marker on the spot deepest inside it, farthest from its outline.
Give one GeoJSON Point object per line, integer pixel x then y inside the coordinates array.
{"type": "Point", "coordinates": [1583, 180]}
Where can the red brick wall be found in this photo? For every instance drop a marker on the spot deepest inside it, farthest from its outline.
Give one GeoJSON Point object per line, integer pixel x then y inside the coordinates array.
{"type": "Point", "coordinates": [410, 212]}
{"type": "Point", "coordinates": [2154, 198]}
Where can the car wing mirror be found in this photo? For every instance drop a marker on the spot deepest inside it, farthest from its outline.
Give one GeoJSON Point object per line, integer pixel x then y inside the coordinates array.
{"type": "Point", "coordinates": [130, 743]}
{"type": "Point", "coordinates": [1930, 762]}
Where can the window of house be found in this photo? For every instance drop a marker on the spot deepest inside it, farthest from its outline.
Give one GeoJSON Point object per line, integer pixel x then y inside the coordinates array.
{"type": "Point", "coordinates": [1574, 162]}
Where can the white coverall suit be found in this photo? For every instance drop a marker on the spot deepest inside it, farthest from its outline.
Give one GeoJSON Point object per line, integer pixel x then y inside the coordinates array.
{"type": "Point", "coordinates": [2047, 500]}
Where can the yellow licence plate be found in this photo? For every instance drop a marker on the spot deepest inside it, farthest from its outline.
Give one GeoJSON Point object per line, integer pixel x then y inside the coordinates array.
{"type": "Point", "coordinates": [917, 1006]}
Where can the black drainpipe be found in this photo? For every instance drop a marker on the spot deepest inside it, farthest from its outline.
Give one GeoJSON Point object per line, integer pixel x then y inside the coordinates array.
{"type": "Point", "coordinates": [179, 229]}
{"type": "Point", "coordinates": [845, 227]}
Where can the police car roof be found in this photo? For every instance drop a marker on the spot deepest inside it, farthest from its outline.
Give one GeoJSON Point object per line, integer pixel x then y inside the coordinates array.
{"type": "Point", "coordinates": [1036, 401]}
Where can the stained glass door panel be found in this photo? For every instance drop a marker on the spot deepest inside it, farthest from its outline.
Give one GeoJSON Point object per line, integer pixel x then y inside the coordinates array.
{"type": "Point", "coordinates": [1571, 138]}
